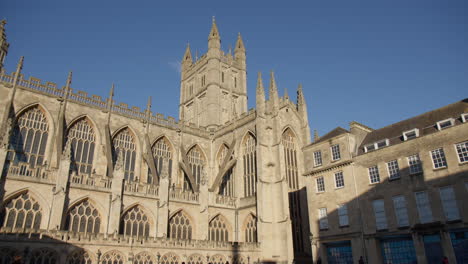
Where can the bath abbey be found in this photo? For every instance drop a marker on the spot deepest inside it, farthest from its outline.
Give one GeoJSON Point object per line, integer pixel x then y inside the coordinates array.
{"type": "Point", "coordinates": [86, 179]}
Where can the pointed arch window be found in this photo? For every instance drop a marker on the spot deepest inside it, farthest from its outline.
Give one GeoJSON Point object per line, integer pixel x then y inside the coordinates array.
{"type": "Point", "coordinates": [250, 166]}
{"type": "Point", "coordinates": [161, 150]}
{"type": "Point", "coordinates": [135, 223]}
{"type": "Point", "coordinates": [251, 229]}
{"type": "Point", "coordinates": [23, 211]}
{"type": "Point", "coordinates": [196, 259]}
{"type": "Point", "coordinates": [29, 138]}
{"type": "Point", "coordinates": [82, 138]}
{"type": "Point", "coordinates": [218, 259]}
{"type": "Point", "coordinates": [144, 258]}
{"type": "Point", "coordinates": [83, 217]}
{"type": "Point", "coordinates": [112, 257]}
{"type": "Point", "coordinates": [218, 229]}
{"type": "Point", "coordinates": [226, 188]}
{"type": "Point", "coordinates": [44, 256]}
{"type": "Point", "coordinates": [170, 258]}
{"type": "Point", "coordinates": [290, 159]}
{"type": "Point", "coordinates": [124, 144]}
{"type": "Point", "coordinates": [180, 226]}
{"type": "Point", "coordinates": [79, 257]}
{"type": "Point", "coordinates": [197, 162]}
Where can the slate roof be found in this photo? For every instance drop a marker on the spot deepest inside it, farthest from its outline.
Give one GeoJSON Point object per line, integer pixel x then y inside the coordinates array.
{"type": "Point", "coordinates": [335, 132]}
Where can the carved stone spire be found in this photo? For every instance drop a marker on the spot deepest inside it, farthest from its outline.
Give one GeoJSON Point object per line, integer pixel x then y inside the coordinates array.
{"type": "Point", "coordinates": [187, 59]}
{"type": "Point", "coordinates": [3, 44]}
{"type": "Point", "coordinates": [273, 91]}
{"type": "Point", "coordinates": [260, 95]}
{"type": "Point", "coordinates": [286, 95]}
{"type": "Point", "coordinates": [214, 40]}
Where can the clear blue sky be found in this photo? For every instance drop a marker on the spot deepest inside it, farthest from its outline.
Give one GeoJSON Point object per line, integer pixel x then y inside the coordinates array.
{"type": "Point", "coordinates": [375, 62]}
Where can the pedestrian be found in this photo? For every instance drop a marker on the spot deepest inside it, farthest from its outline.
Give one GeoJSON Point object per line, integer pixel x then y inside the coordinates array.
{"type": "Point", "coordinates": [361, 260]}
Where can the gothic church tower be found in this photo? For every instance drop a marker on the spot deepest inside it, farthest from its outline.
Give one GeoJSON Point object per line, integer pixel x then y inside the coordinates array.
{"type": "Point", "coordinates": [213, 88]}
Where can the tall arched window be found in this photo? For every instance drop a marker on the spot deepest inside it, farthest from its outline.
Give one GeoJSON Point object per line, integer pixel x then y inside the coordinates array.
{"type": "Point", "coordinates": [112, 257]}
{"type": "Point", "coordinates": [79, 256]}
{"type": "Point", "coordinates": [251, 229]}
{"type": "Point", "coordinates": [197, 162]}
{"type": "Point", "coordinates": [23, 211]}
{"type": "Point", "coordinates": [180, 226]}
{"type": "Point", "coordinates": [226, 187]}
{"type": "Point", "coordinates": [124, 144]}
{"type": "Point", "coordinates": [44, 256]}
{"type": "Point", "coordinates": [83, 217]}
{"type": "Point", "coordinates": [29, 138]}
{"type": "Point", "coordinates": [82, 137]}
{"type": "Point", "coordinates": [250, 165]}
{"type": "Point", "coordinates": [218, 229]}
{"type": "Point", "coordinates": [161, 150]}
{"type": "Point", "coordinates": [170, 258]}
{"type": "Point", "coordinates": [290, 159]}
{"type": "Point", "coordinates": [135, 223]}
{"type": "Point", "coordinates": [144, 258]}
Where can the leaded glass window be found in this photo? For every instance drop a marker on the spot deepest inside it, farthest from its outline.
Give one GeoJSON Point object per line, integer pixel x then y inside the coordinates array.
{"type": "Point", "coordinates": [250, 166]}
{"type": "Point", "coordinates": [29, 138]}
{"type": "Point", "coordinates": [82, 138]}
{"type": "Point", "coordinates": [7, 255]}
{"type": "Point", "coordinates": [112, 257]}
{"type": "Point", "coordinates": [251, 229]}
{"type": "Point", "coordinates": [170, 258]}
{"type": "Point", "coordinates": [197, 162]}
{"type": "Point", "coordinates": [226, 187]}
{"type": "Point", "coordinates": [290, 159]}
{"type": "Point", "coordinates": [144, 258]}
{"type": "Point", "coordinates": [135, 223]}
{"type": "Point", "coordinates": [84, 217]}
{"type": "Point", "coordinates": [180, 226]}
{"type": "Point", "coordinates": [195, 259]}
{"type": "Point", "coordinates": [124, 144]}
{"type": "Point", "coordinates": [79, 256]}
{"type": "Point", "coordinates": [161, 150]}
{"type": "Point", "coordinates": [23, 211]}
{"type": "Point", "coordinates": [218, 229]}
{"type": "Point", "coordinates": [43, 256]}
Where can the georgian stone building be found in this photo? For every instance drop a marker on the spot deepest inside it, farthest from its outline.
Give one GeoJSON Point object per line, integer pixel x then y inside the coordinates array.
{"type": "Point", "coordinates": [88, 180]}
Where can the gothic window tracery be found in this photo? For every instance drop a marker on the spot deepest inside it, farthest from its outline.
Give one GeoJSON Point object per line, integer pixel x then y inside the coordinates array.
{"type": "Point", "coordinates": [82, 138]}
{"type": "Point", "coordinates": [226, 188]}
{"type": "Point", "coordinates": [251, 229]}
{"type": "Point", "coordinates": [83, 217]}
{"type": "Point", "coordinates": [218, 259]}
{"type": "Point", "coordinates": [23, 211]}
{"type": "Point", "coordinates": [79, 256]}
{"type": "Point", "coordinates": [29, 138]}
{"type": "Point", "coordinates": [218, 229]}
{"type": "Point", "coordinates": [124, 144]}
{"type": "Point", "coordinates": [161, 150]}
{"type": "Point", "coordinates": [135, 223]}
{"type": "Point", "coordinates": [197, 162]}
{"type": "Point", "coordinates": [290, 158]}
{"type": "Point", "coordinates": [144, 258]}
{"type": "Point", "coordinates": [170, 258]}
{"type": "Point", "coordinates": [250, 165]}
{"type": "Point", "coordinates": [180, 226]}
{"type": "Point", "coordinates": [44, 256]}
{"type": "Point", "coordinates": [195, 259]}
{"type": "Point", "coordinates": [112, 257]}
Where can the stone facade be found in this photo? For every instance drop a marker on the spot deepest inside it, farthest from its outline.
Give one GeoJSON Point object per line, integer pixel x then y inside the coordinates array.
{"type": "Point", "coordinates": [396, 194]}
{"type": "Point", "coordinates": [88, 180]}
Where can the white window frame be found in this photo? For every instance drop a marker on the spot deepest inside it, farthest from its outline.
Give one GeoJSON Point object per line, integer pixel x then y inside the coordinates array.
{"type": "Point", "coordinates": [414, 161]}
{"type": "Point", "coordinates": [449, 203]}
{"type": "Point", "coordinates": [371, 171]}
{"type": "Point", "coordinates": [376, 145]}
{"type": "Point", "coordinates": [366, 147]}
{"type": "Point", "coordinates": [323, 218]}
{"type": "Point", "coordinates": [464, 117]}
{"type": "Point", "coordinates": [393, 165]}
{"type": "Point", "coordinates": [415, 131]}
{"type": "Point", "coordinates": [439, 160]}
{"type": "Point", "coordinates": [333, 153]}
{"type": "Point", "coordinates": [462, 152]}
{"type": "Point", "coordinates": [318, 156]}
{"type": "Point", "coordinates": [343, 218]}
{"type": "Point", "coordinates": [342, 179]}
{"type": "Point", "coordinates": [317, 183]}
{"type": "Point", "coordinates": [424, 207]}
{"type": "Point", "coordinates": [401, 211]}
{"type": "Point", "coordinates": [439, 123]}
{"type": "Point", "coordinates": [379, 214]}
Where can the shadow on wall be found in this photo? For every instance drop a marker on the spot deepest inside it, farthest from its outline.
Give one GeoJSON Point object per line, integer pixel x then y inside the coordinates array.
{"type": "Point", "coordinates": [398, 240]}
